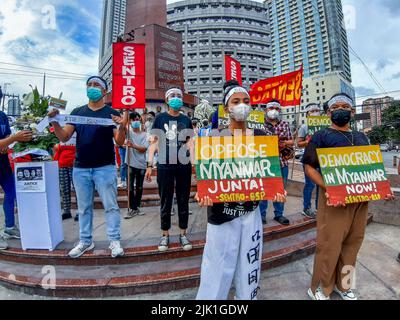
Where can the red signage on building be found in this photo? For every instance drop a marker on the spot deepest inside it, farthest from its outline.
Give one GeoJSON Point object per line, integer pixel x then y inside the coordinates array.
{"type": "Point", "coordinates": [233, 69]}
{"type": "Point", "coordinates": [129, 70]}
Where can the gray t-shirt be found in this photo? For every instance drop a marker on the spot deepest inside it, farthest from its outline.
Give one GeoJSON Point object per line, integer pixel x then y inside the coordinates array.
{"type": "Point", "coordinates": [136, 159]}
{"type": "Point", "coordinates": [303, 131]}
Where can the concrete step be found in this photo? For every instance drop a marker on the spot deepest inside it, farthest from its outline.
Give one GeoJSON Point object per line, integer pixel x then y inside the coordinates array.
{"type": "Point", "coordinates": [137, 251]}
{"type": "Point", "coordinates": [148, 277]}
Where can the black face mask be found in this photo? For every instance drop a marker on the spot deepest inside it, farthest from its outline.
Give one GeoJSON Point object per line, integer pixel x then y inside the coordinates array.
{"type": "Point", "coordinates": [341, 117]}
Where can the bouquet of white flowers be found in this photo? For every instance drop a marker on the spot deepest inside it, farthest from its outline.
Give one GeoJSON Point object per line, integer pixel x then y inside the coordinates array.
{"type": "Point", "coordinates": [34, 110]}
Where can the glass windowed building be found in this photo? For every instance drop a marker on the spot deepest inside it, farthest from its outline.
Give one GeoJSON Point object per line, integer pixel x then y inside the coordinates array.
{"type": "Point", "coordinates": [213, 28]}
{"type": "Point", "coordinates": [309, 32]}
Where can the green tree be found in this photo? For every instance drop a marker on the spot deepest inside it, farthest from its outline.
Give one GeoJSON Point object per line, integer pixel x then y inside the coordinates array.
{"type": "Point", "coordinates": [378, 135]}
{"type": "Point", "coordinates": [391, 120]}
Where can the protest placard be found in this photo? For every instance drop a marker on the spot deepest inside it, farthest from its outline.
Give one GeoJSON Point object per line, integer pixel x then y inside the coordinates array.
{"type": "Point", "coordinates": [317, 123]}
{"type": "Point", "coordinates": [353, 174]}
{"type": "Point", "coordinates": [238, 169]}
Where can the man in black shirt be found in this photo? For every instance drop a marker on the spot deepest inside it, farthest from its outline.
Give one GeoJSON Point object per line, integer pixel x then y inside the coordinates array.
{"type": "Point", "coordinates": [340, 228]}
{"type": "Point", "coordinates": [94, 166]}
{"type": "Point", "coordinates": [172, 133]}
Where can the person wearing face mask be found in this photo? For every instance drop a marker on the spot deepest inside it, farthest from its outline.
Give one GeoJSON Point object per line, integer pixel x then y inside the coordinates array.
{"type": "Point", "coordinates": [137, 148]}
{"type": "Point", "coordinates": [275, 126]}
{"type": "Point", "coordinates": [234, 240]}
{"type": "Point", "coordinates": [172, 137]}
{"type": "Point", "coordinates": [94, 165]}
{"type": "Point", "coordinates": [340, 228]}
{"type": "Point", "coordinates": [303, 138]}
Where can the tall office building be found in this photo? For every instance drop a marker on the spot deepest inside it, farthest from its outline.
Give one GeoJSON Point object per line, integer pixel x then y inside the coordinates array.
{"type": "Point", "coordinates": [113, 25]}
{"type": "Point", "coordinates": [375, 107]}
{"type": "Point", "coordinates": [309, 32]}
{"type": "Point", "coordinates": [212, 28]}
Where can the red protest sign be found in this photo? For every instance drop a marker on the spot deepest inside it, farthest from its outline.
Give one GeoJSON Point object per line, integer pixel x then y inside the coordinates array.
{"type": "Point", "coordinates": [129, 69]}
{"type": "Point", "coordinates": [286, 88]}
{"type": "Point", "coordinates": [353, 174]}
{"type": "Point", "coordinates": [238, 169]}
{"type": "Point", "coordinates": [233, 69]}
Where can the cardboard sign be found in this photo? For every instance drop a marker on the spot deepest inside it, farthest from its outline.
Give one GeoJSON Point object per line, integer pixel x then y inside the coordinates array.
{"type": "Point", "coordinates": [255, 120]}
{"type": "Point", "coordinates": [233, 69]}
{"type": "Point", "coordinates": [129, 83]}
{"type": "Point", "coordinates": [238, 169]}
{"type": "Point", "coordinates": [286, 88]}
{"type": "Point", "coordinates": [30, 177]}
{"type": "Point", "coordinates": [317, 123]}
{"type": "Point", "coordinates": [354, 174]}
{"type": "Point", "coordinates": [57, 104]}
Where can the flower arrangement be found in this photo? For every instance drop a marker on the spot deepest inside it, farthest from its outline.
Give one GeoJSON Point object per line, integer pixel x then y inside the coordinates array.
{"type": "Point", "coordinates": [34, 110]}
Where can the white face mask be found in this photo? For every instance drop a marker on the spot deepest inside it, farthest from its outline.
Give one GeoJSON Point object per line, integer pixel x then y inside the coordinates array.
{"type": "Point", "coordinates": [273, 114]}
{"type": "Point", "coordinates": [315, 114]}
{"type": "Point", "coordinates": [240, 112]}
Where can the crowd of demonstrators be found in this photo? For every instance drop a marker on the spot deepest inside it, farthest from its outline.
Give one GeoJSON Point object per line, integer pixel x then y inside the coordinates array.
{"type": "Point", "coordinates": [7, 181]}
{"type": "Point", "coordinates": [172, 137]}
{"type": "Point", "coordinates": [64, 154]}
{"type": "Point", "coordinates": [137, 144]}
{"type": "Point", "coordinates": [303, 138]}
{"type": "Point", "coordinates": [341, 227]}
{"type": "Point", "coordinates": [234, 240]}
{"type": "Point", "coordinates": [274, 125]}
{"type": "Point", "coordinates": [94, 166]}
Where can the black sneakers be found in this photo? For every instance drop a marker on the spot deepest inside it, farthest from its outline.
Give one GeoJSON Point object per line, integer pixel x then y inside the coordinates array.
{"type": "Point", "coordinates": [282, 220]}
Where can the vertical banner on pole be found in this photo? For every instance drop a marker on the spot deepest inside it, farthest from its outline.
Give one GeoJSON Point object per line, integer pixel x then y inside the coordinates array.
{"type": "Point", "coordinates": [129, 70]}
{"type": "Point", "coordinates": [233, 69]}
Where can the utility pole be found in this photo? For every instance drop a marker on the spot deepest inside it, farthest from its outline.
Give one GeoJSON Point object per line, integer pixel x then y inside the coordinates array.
{"type": "Point", "coordinates": [44, 84]}
{"type": "Point", "coordinates": [5, 93]}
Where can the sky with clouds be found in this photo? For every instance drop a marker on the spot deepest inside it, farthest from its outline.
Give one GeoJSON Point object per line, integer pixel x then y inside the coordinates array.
{"type": "Point", "coordinates": [68, 44]}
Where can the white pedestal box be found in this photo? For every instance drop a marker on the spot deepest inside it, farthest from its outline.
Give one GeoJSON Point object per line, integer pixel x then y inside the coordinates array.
{"type": "Point", "coordinates": [39, 205]}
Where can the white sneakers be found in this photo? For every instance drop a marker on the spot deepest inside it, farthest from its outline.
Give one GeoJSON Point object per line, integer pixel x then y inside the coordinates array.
{"type": "Point", "coordinates": [319, 294]}
{"type": "Point", "coordinates": [116, 249]}
{"type": "Point", "coordinates": [348, 295]}
{"type": "Point", "coordinates": [81, 248]}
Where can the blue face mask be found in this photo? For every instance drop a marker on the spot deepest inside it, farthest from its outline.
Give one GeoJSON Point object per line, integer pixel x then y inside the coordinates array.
{"type": "Point", "coordinates": [136, 125]}
{"type": "Point", "coordinates": [175, 103]}
{"type": "Point", "coordinates": [94, 94]}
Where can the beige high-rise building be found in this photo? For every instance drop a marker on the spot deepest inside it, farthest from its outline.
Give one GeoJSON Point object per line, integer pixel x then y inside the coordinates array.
{"type": "Point", "coordinates": [317, 89]}
{"type": "Point", "coordinates": [375, 107]}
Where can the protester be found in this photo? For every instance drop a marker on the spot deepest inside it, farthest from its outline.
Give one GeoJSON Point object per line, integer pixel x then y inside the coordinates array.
{"type": "Point", "coordinates": [137, 148]}
{"type": "Point", "coordinates": [303, 138]}
{"type": "Point", "coordinates": [340, 228]}
{"type": "Point", "coordinates": [234, 240]}
{"type": "Point", "coordinates": [7, 181]}
{"type": "Point", "coordinates": [65, 155]}
{"type": "Point", "coordinates": [94, 166]}
{"type": "Point", "coordinates": [274, 125]}
{"type": "Point", "coordinates": [172, 137]}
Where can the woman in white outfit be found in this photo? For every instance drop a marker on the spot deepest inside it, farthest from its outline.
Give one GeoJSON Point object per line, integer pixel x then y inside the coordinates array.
{"type": "Point", "coordinates": [234, 241]}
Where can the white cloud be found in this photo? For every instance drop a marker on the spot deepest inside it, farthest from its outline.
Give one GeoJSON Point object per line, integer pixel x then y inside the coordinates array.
{"type": "Point", "coordinates": [23, 41]}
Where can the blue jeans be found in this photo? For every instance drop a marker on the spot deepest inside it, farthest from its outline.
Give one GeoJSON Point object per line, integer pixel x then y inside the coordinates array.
{"type": "Point", "coordinates": [8, 184]}
{"type": "Point", "coordinates": [278, 206]}
{"type": "Point", "coordinates": [124, 168]}
{"type": "Point", "coordinates": [104, 179]}
{"type": "Point", "coordinates": [307, 193]}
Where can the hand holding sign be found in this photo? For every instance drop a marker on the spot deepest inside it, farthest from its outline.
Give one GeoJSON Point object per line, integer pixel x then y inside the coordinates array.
{"type": "Point", "coordinates": [203, 202]}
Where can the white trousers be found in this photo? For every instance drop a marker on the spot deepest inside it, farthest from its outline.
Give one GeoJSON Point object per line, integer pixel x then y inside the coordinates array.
{"type": "Point", "coordinates": [233, 251]}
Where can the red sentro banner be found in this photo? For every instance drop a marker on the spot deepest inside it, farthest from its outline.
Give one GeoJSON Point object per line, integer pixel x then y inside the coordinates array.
{"type": "Point", "coordinates": [233, 69]}
{"type": "Point", "coordinates": [129, 70]}
{"type": "Point", "coordinates": [286, 88]}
